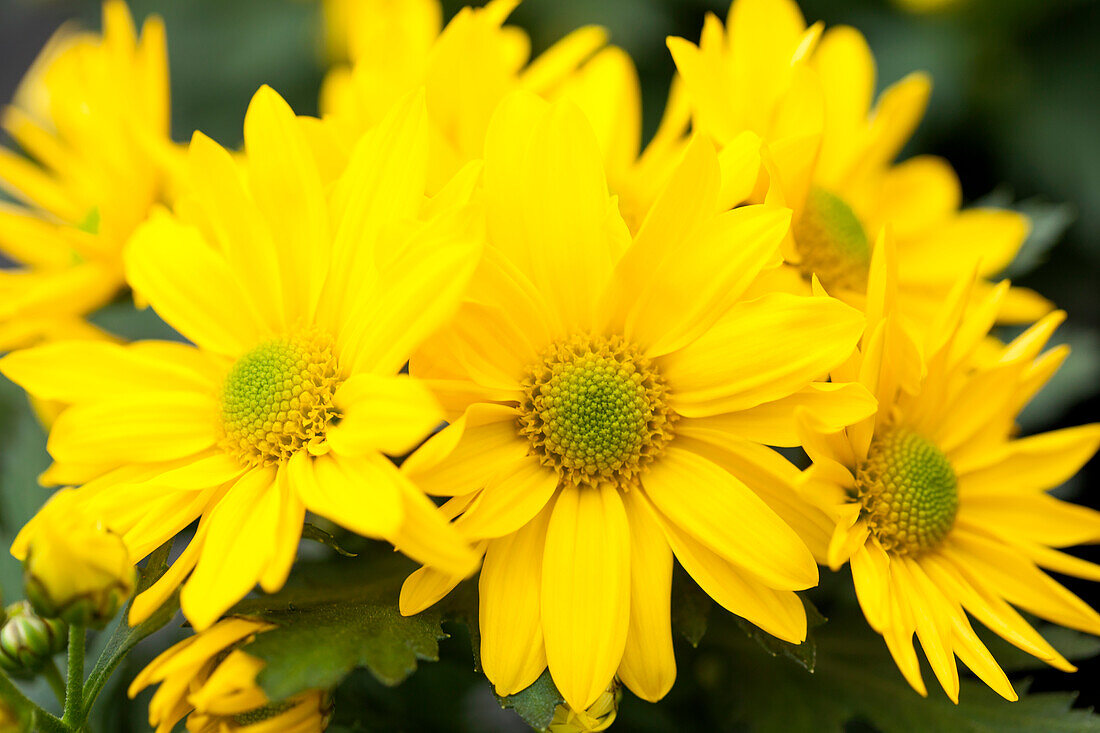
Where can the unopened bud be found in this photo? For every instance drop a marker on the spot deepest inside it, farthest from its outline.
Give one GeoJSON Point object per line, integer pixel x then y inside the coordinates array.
{"type": "Point", "coordinates": [599, 715]}
{"type": "Point", "coordinates": [28, 641]}
{"type": "Point", "coordinates": [75, 568]}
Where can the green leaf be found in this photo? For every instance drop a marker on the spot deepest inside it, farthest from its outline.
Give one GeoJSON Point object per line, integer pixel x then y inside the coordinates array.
{"type": "Point", "coordinates": [334, 619]}
{"type": "Point", "coordinates": [125, 637]}
{"type": "Point", "coordinates": [536, 704]}
{"type": "Point", "coordinates": [804, 654]}
{"type": "Point", "coordinates": [122, 318]}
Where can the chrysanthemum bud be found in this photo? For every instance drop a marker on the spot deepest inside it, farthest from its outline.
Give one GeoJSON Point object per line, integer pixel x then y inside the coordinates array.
{"type": "Point", "coordinates": [27, 641]}
{"type": "Point", "coordinates": [599, 715]}
{"type": "Point", "coordinates": [75, 568]}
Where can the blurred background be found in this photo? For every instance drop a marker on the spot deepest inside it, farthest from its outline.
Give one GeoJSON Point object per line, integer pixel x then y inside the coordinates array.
{"type": "Point", "coordinates": [1015, 108]}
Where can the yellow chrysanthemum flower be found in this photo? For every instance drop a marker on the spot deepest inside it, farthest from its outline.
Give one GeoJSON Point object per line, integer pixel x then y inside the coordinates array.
{"type": "Point", "coordinates": [471, 65]}
{"type": "Point", "coordinates": [303, 303]}
{"type": "Point", "coordinates": [212, 682]}
{"type": "Point", "coordinates": [940, 509]}
{"type": "Point", "coordinates": [93, 115]}
{"type": "Point", "coordinates": [608, 396]}
{"type": "Point", "coordinates": [829, 156]}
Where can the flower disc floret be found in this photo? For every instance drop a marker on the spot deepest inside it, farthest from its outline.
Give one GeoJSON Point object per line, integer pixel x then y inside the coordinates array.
{"type": "Point", "coordinates": [909, 492]}
{"type": "Point", "coordinates": [278, 399]}
{"type": "Point", "coordinates": [832, 243]}
{"type": "Point", "coordinates": [596, 410]}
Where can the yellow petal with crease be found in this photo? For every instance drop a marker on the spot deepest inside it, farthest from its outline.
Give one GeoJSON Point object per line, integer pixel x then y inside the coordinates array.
{"type": "Point", "coordinates": [719, 511]}
{"type": "Point", "coordinates": [510, 603]}
{"type": "Point", "coordinates": [649, 665]}
{"type": "Point", "coordinates": [586, 591]}
{"type": "Point", "coordinates": [391, 414]}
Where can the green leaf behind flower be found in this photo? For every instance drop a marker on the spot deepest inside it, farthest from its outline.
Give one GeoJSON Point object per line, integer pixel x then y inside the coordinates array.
{"type": "Point", "coordinates": [335, 618]}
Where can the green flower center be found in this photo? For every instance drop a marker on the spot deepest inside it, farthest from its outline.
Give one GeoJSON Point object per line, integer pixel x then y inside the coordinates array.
{"type": "Point", "coordinates": [595, 409]}
{"type": "Point", "coordinates": [908, 490]}
{"type": "Point", "coordinates": [277, 399]}
{"type": "Point", "coordinates": [832, 243]}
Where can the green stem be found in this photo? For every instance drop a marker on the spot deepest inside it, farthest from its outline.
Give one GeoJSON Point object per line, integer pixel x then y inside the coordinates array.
{"type": "Point", "coordinates": [53, 676]}
{"type": "Point", "coordinates": [43, 720]}
{"type": "Point", "coordinates": [74, 690]}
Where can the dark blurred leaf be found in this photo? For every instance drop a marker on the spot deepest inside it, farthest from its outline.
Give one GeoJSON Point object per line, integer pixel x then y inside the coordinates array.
{"type": "Point", "coordinates": [856, 680]}
{"type": "Point", "coordinates": [122, 319]}
{"type": "Point", "coordinates": [804, 654]}
{"type": "Point", "coordinates": [23, 457]}
{"type": "Point", "coordinates": [690, 607]}
{"type": "Point", "coordinates": [1049, 223]}
{"type": "Point", "coordinates": [335, 623]}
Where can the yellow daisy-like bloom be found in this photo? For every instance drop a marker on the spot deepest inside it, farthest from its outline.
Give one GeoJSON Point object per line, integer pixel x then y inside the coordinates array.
{"type": "Point", "coordinates": [93, 115]}
{"type": "Point", "coordinates": [829, 156]}
{"type": "Point", "coordinates": [397, 46]}
{"type": "Point", "coordinates": [212, 682]}
{"type": "Point", "coordinates": [303, 303]}
{"type": "Point", "coordinates": [940, 509]}
{"type": "Point", "coordinates": [606, 398]}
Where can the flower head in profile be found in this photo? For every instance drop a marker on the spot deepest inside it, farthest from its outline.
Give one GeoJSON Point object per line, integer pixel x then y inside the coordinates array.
{"type": "Point", "coordinates": [941, 510]}
{"type": "Point", "coordinates": [829, 155]}
{"type": "Point", "coordinates": [607, 396]}
{"type": "Point", "coordinates": [92, 115]}
{"type": "Point", "coordinates": [212, 682]}
{"type": "Point", "coordinates": [302, 304]}
{"type": "Point", "coordinates": [75, 568]}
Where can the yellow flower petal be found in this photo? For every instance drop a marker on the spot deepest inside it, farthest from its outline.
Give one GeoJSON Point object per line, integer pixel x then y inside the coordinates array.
{"type": "Point", "coordinates": [1035, 463]}
{"type": "Point", "coordinates": [510, 602]}
{"type": "Point", "coordinates": [466, 455]}
{"type": "Point", "coordinates": [191, 286]}
{"type": "Point", "coordinates": [719, 511]}
{"type": "Point", "coordinates": [361, 493]}
{"type": "Point", "coordinates": [427, 536]}
{"type": "Point", "coordinates": [649, 665]}
{"type": "Point", "coordinates": [144, 426]}
{"type": "Point", "coordinates": [391, 414]}
{"type": "Point", "coordinates": [242, 527]}
{"type": "Point", "coordinates": [779, 612]}
{"type": "Point", "coordinates": [760, 351]}
{"type": "Point", "coordinates": [288, 533]}
{"type": "Point", "coordinates": [586, 591]}
{"type": "Point", "coordinates": [509, 501]}
{"type": "Point", "coordinates": [286, 185]}
{"type": "Point", "coordinates": [72, 371]}
{"type": "Point", "coordinates": [238, 227]}
{"type": "Point", "coordinates": [532, 151]}
{"type": "Point", "coordinates": [834, 405]}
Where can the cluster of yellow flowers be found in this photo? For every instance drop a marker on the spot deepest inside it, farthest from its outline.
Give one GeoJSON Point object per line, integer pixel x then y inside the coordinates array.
{"type": "Point", "coordinates": [617, 338]}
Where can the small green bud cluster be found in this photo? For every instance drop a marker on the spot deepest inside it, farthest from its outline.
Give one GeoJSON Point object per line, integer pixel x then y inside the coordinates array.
{"type": "Point", "coordinates": [28, 641]}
